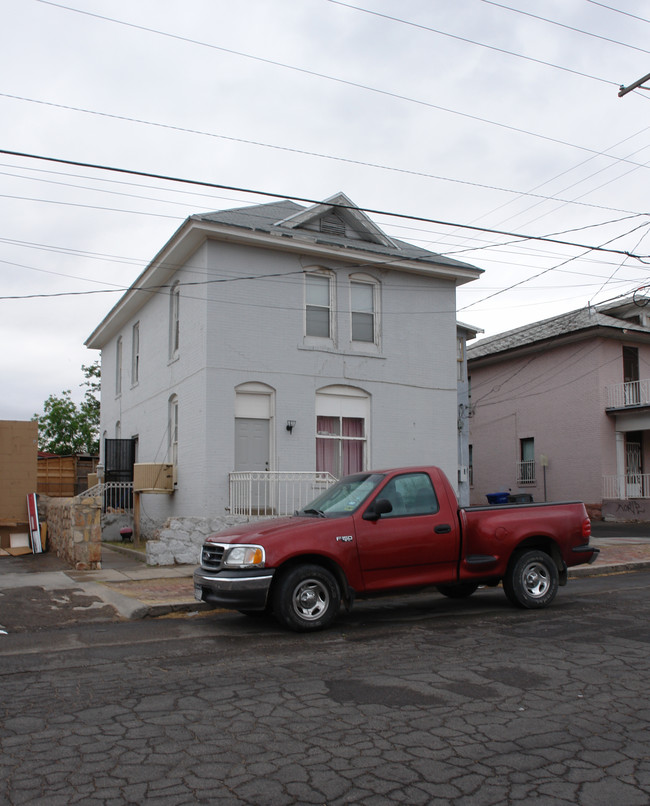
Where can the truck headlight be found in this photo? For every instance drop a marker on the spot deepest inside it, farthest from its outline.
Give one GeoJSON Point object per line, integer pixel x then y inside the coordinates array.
{"type": "Point", "coordinates": [244, 557]}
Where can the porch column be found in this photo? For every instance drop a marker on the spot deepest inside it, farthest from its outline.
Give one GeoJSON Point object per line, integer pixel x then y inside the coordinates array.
{"type": "Point", "coordinates": [620, 464]}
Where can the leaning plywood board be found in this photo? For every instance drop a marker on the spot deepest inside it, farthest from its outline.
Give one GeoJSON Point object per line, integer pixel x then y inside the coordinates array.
{"type": "Point", "coordinates": [34, 528]}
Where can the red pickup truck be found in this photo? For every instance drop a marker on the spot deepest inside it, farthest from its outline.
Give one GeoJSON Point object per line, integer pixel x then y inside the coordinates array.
{"type": "Point", "coordinates": [390, 530]}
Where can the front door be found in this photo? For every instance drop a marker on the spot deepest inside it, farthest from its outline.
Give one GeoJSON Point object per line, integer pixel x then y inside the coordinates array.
{"type": "Point", "coordinates": [631, 375]}
{"type": "Point", "coordinates": [251, 444]}
{"type": "Point", "coordinates": [634, 464]}
{"type": "Point", "coordinates": [252, 455]}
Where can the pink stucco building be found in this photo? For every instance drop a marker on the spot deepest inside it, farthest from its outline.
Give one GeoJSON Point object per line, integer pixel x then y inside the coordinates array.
{"type": "Point", "coordinates": [560, 410]}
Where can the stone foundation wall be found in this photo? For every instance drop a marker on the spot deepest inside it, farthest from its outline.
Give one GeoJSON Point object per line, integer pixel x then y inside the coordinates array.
{"type": "Point", "coordinates": [636, 509]}
{"type": "Point", "coordinates": [73, 529]}
{"type": "Point", "coordinates": [180, 539]}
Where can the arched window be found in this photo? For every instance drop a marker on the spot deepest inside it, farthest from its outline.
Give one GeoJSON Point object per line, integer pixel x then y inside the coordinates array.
{"type": "Point", "coordinates": [172, 456]}
{"type": "Point", "coordinates": [174, 320]}
{"type": "Point", "coordinates": [135, 354]}
{"type": "Point", "coordinates": [342, 425]}
{"type": "Point", "coordinates": [364, 309]}
{"type": "Point", "coordinates": [118, 366]}
{"type": "Point", "coordinates": [319, 305]}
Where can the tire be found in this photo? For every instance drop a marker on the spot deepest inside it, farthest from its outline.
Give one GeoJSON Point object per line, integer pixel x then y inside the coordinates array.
{"type": "Point", "coordinates": [307, 598]}
{"type": "Point", "coordinates": [460, 591]}
{"type": "Point", "coordinates": [531, 580]}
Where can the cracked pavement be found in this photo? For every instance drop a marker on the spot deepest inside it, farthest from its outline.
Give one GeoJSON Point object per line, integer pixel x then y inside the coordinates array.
{"type": "Point", "coordinates": [420, 701]}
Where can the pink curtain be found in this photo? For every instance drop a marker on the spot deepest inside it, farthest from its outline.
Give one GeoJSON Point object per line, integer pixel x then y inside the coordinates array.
{"type": "Point", "coordinates": [327, 449]}
{"type": "Point", "coordinates": [353, 449]}
{"type": "Point", "coordinates": [337, 456]}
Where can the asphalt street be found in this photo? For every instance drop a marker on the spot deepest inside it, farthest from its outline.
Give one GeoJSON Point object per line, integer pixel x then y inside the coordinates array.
{"type": "Point", "coordinates": [416, 700]}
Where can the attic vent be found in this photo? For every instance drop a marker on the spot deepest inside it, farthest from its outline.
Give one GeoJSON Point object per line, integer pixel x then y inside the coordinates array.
{"type": "Point", "coordinates": [333, 225]}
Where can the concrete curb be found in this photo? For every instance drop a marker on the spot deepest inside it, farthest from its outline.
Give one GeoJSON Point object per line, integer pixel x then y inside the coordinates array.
{"type": "Point", "coordinates": [611, 568]}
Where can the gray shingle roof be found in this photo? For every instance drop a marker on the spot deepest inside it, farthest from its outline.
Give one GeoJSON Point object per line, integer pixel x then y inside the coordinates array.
{"type": "Point", "coordinates": [268, 218]}
{"type": "Point", "coordinates": [573, 322]}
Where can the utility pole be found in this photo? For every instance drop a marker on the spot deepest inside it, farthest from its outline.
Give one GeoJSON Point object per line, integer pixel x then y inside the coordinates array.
{"type": "Point", "coordinates": [624, 90]}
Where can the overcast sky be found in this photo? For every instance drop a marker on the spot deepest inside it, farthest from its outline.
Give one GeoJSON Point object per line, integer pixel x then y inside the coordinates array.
{"type": "Point", "coordinates": [467, 112]}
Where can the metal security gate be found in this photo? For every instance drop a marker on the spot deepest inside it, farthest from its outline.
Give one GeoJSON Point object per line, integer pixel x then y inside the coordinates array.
{"type": "Point", "coordinates": [119, 458]}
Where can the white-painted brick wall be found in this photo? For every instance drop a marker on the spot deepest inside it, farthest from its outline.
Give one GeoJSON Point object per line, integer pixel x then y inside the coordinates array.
{"type": "Point", "coordinates": [252, 330]}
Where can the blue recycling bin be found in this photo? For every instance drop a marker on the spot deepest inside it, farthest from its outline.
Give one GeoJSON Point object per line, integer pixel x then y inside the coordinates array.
{"type": "Point", "coordinates": [497, 498]}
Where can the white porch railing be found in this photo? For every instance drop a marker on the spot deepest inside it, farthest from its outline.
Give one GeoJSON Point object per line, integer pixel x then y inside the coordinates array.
{"type": "Point", "coordinates": [621, 488]}
{"type": "Point", "coordinates": [526, 472]}
{"type": "Point", "coordinates": [632, 393]}
{"type": "Point", "coordinates": [117, 496]}
{"type": "Point", "coordinates": [275, 493]}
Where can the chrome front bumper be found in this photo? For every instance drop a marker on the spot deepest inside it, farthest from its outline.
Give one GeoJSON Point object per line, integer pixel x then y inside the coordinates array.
{"type": "Point", "coordinates": [234, 590]}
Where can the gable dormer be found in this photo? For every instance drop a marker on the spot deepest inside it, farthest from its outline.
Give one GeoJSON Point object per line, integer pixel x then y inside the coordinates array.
{"type": "Point", "coordinates": [340, 217]}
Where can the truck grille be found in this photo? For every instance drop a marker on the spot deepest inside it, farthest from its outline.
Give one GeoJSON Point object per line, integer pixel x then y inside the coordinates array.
{"type": "Point", "coordinates": [212, 555]}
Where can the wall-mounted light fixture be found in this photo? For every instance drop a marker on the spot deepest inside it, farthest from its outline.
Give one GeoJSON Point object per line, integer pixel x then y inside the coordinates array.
{"type": "Point", "coordinates": [290, 425]}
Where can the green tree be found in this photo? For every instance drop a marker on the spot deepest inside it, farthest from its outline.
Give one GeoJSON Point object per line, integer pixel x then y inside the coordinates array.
{"type": "Point", "coordinates": [65, 428]}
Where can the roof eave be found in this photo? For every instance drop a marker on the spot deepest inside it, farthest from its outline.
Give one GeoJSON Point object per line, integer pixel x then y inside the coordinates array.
{"type": "Point", "coordinates": [195, 231]}
{"type": "Point", "coordinates": [522, 350]}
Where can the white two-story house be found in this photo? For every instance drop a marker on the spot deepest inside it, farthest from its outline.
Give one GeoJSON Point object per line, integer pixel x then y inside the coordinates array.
{"type": "Point", "coordinates": [280, 338]}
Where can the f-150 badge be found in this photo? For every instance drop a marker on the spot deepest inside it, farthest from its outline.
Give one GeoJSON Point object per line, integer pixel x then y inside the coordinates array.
{"type": "Point", "coordinates": [344, 539]}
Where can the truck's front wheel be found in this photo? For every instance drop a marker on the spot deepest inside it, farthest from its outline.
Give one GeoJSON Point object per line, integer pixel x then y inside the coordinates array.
{"type": "Point", "coordinates": [531, 580]}
{"type": "Point", "coordinates": [307, 598]}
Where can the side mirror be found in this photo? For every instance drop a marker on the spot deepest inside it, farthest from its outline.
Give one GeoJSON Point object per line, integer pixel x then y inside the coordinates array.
{"type": "Point", "coordinates": [382, 506]}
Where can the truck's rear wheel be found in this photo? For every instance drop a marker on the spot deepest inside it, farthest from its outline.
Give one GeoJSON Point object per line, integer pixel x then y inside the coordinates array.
{"type": "Point", "coordinates": [531, 580]}
{"type": "Point", "coordinates": [307, 598]}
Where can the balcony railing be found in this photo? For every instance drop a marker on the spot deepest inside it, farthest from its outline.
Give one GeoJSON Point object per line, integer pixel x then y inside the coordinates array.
{"type": "Point", "coordinates": [622, 488]}
{"type": "Point", "coordinates": [632, 393]}
{"type": "Point", "coordinates": [275, 493]}
{"type": "Point", "coordinates": [526, 472]}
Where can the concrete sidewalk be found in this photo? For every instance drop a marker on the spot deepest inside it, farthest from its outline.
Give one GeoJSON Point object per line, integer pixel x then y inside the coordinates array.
{"type": "Point", "coordinates": [137, 591]}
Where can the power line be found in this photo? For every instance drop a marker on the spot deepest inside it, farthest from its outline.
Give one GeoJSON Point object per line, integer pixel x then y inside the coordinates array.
{"type": "Point", "coordinates": [305, 200]}
{"type": "Point", "coordinates": [151, 289]}
{"type": "Point", "coordinates": [541, 273]}
{"type": "Point", "coordinates": [316, 74]}
{"type": "Point", "coordinates": [320, 155]}
{"type": "Point", "coordinates": [471, 41]}
{"type": "Point", "coordinates": [563, 25]}
{"type": "Point", "coordinates": [618, 11]}
{"type": "Point", "coordinates": [577, 199]}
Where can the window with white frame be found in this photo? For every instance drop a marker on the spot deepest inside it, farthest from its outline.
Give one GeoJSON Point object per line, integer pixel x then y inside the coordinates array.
{"type": "Point", "coordinates": [173, 430]}
{"type": "Point", "coordinates": [318, 305]}
{"type": "Point", "coordinates": [341, 430]}
{"type": "Point", "coordinates": [118, 366]}
{"type": "Point", "coordinates": [364, 299]}
{"type": "Point", "coordinates": [174, 320]}
{"type": "Point", "coordinates": [460, 358]}
{"type": "Point", "coordinates": [135, 354]}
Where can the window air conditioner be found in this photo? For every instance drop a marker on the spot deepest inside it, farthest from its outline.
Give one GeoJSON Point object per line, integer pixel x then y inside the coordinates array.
{"type": "Point", "coordinates": [153, 478]}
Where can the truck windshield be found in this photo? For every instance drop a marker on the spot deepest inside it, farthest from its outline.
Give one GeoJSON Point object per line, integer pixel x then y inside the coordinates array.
{"type": "Point", "coordinates": [343, 497]}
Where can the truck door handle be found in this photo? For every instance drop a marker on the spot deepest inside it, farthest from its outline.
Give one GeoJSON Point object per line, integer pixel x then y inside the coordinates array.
{"type": "Point", "coordinates": [443, 529]}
